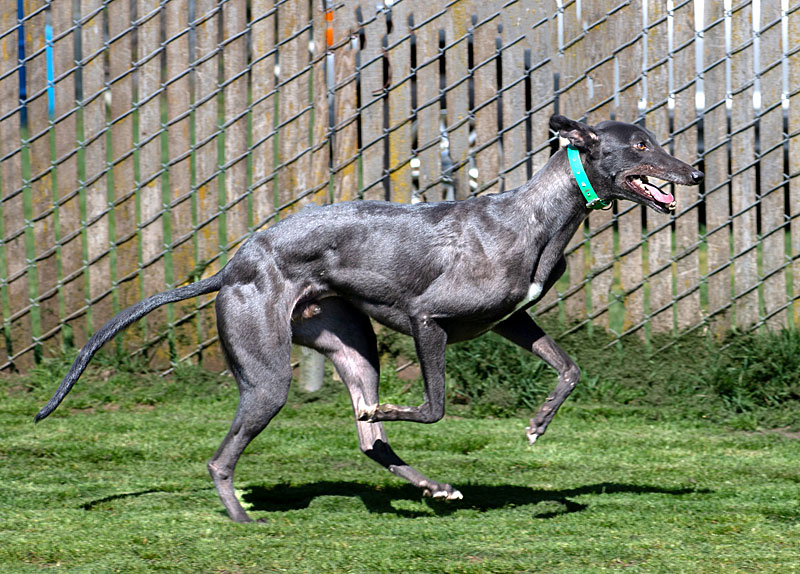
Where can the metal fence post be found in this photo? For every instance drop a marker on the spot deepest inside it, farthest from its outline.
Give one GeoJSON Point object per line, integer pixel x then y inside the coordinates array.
{"type": "Point", "coordinates": [312, 370]}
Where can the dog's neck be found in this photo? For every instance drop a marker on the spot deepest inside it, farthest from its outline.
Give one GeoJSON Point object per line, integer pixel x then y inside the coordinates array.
{"type": "Point", "coordinates": [551, 200]}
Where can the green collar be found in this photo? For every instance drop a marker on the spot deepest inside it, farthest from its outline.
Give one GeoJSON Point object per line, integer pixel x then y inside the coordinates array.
{"type": "Point", "coordinates": [592, 201]}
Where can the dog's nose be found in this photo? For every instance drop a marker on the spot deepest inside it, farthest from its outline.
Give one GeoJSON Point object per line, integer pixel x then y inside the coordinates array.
{"type": "Point", "coordinates": [697, 176]}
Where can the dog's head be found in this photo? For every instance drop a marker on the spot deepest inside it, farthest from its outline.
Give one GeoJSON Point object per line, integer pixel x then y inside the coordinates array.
{"type": "Point", "coordinates": [619, 158]}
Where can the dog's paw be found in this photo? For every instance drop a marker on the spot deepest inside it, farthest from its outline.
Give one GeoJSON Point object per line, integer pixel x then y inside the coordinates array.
{"type": "Point", "coordinates": [532, 435]}
{"type": "Point", "coordinates": [444, 492]}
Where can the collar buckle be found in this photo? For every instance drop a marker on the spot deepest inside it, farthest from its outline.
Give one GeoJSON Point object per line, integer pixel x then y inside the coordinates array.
{"type": "Point", "coordinates": [598, 203]}
{"type": "Point", "coordinates": [575, 164]}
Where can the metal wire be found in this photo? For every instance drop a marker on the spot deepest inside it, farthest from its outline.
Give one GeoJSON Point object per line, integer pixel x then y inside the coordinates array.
{"type": "Point", "coordinates": [142, 142]}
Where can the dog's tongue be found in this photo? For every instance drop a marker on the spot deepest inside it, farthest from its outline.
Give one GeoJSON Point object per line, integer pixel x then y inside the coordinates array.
{"type": "Point", "coordinates": [659, 195]}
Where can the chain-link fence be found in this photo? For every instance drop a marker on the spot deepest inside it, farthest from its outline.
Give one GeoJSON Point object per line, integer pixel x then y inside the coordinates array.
{"type": "Point", "coordinates": [142, 141]}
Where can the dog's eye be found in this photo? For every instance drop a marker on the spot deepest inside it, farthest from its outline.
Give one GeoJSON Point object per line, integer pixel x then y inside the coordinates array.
{"type": "Point", "coordinates": [641, 146]}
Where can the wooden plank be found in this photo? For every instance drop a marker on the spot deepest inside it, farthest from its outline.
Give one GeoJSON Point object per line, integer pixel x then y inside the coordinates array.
{"type": "Point", "coordinates": [50, 289]}
{"type": "Point", "coordinates": [794, 163]}
{"type": "Point", "coordinates": [178, 96]}
{"type": "Point", "coordinates": [371, 83]}
{"type": "Point", "coordinates": [743, 183]}
{"type": "Point", "coordinates": [687, 229]}
{"type": "Point", "coordinates": [95, 190]}
{"type": "Point", "coordinates": [428, 108]}
{"type": "Point", "coordinates": [513, 95]}
{"type": "Point", "coordinates": [293, 101]}
{"type": "Point", "coordinates": [312, 363]}
{"type": "Point", "coordinates": [234, 56]}
{"type": "Point", "coordinates": [206, 162]}
{"type": "Point", "coordinates": [9, 89]}
{"type": "Point", "coordinates": [487, 141]}
{"type": "Point", "coordinates": [125, 256]}
{"type": "Point", "coordinates": [13, 281]}
{"type": "Point", "coordinates": [153, 277]}
{"type": "Point", "coordinates": [42, 273]}
{"type": "Point", "coordinates": [400, 112]}
{"type": "Point", "coordinates": [320, 158]}
{"type": "Point", "coordinates": [599, 41]}
{"type": "Point", "coordinates": [542, 42]}
{"type": "Point", "coordinates": [123, 166]}
{"type": "Point", "coordinates": [772, 189]}
{"type": "Point", "coordinates": [263, 107]}
{"type": "Point", "coordinates": [573, 103]}
{"type": "Point", "coordinates": [457, 94]}
{"type": "Point", "coordinates": [345, 151]}
{"type": "Point", "coordinates": [717, 180]}
{"type": "Point", "coordinates": [659, 242]}
{"type": "Point", "coordinates": [542, 39]}
{"type": "Point", "coordinates": [629, 92]}
{"type": "Point", "coordinates": [630, 61]}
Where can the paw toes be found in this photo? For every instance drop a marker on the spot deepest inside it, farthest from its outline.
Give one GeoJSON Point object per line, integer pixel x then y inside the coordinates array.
{"type": "Point", "coordinates": [532, 435]}
{"type": "Point", "coordinates": [448, 493]}
{"type": "Point", "coordinates": [365, 412]}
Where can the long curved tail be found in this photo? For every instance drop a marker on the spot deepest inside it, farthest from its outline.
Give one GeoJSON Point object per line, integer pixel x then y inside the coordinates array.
{"type": "Point", "coordinates": [117, 324]}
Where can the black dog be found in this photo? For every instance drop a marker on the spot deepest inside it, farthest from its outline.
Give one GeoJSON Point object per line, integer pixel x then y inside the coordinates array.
{"type": "Point", "coordinates": [440, 272]}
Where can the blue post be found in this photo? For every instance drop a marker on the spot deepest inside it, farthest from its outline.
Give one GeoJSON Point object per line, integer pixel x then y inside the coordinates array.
{"type": "Point", "coordinates": [23, 83]}
{"type": "Point", "coordinates": [51, 90]}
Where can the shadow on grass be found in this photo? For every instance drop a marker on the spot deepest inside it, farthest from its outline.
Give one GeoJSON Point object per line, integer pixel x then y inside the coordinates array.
{"type": "Point", "coordinates": [112, 497]}
{"type": "Point", "coordinates": [377, 499]}
{"type": "Point", "coordinates": [483, 498]}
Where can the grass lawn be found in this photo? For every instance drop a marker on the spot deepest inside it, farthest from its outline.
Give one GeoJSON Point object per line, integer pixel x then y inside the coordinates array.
{"type": "Point", "coordinates": [124, 488]}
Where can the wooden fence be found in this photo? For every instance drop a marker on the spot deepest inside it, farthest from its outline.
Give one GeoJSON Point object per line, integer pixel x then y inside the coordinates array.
{"type": "Point", "coordinates": [142, 141]}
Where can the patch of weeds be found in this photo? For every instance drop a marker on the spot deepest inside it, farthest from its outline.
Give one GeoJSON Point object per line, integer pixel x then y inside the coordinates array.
{"type": "Point", "coordinates": [759, 370]}
{"type": "Point", "coordinates": [495, 377]}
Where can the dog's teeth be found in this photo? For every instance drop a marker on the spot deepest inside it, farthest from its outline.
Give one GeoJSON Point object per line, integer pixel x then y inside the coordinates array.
{"type": "Point", "coordinates": [672, 205]}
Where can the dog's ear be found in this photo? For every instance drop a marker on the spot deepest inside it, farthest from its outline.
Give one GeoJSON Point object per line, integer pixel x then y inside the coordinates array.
{"type": "Point", "coordinates": [579, 134]}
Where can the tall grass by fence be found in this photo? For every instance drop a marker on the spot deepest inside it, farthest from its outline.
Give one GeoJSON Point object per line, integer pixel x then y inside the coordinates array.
{"type": "Point", "coordinates": [142, 141]}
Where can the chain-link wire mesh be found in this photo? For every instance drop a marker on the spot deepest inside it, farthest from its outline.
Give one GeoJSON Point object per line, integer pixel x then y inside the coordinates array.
{"type": "Point", "coordinates": [142, 141]}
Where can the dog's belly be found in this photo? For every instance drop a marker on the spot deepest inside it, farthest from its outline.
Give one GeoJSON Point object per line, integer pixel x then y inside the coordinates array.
{"type": "Point", "coordinates": [461, 320]}
{"type": "Point", "coordinates": [458, 328]}
{"type": "Point", "coordinates": [388, 316]}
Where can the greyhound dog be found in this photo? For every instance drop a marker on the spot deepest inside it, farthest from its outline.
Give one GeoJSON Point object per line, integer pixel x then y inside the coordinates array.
{"type": "Point", "coordinates": [439, 272]}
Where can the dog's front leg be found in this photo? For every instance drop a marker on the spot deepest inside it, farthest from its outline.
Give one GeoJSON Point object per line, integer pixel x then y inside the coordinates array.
{"type": "Point", "coordinates": [522, 330]}
{"type": "Point", "coordinates": [430, 340]}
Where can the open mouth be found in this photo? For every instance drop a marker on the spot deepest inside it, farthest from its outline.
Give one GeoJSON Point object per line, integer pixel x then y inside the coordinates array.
{"type": "Point", "coordinates": [642, 187]}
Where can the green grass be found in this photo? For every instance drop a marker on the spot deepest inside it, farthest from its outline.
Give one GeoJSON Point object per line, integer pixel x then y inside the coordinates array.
{"type": "Point", "coordinates": [115, 481]}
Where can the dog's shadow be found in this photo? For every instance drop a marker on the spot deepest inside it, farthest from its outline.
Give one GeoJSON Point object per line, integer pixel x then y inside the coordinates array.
{"type": "Point", "coordinates": [482, 498]}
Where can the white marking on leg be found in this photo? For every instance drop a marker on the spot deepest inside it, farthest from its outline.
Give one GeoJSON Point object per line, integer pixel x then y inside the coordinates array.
{"type": "Point", "coordinates": [531, 434]}
{"type": "Point", "coordinates": [534, 290]}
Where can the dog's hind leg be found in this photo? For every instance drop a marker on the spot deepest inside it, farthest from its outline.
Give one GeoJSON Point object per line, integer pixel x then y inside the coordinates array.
{"type": "Point", "coordinates": [256, 339]}
{"type": "Point", "coordinates": [522, 330]}
{"type": "Point", "coordinates": [345, 336]}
